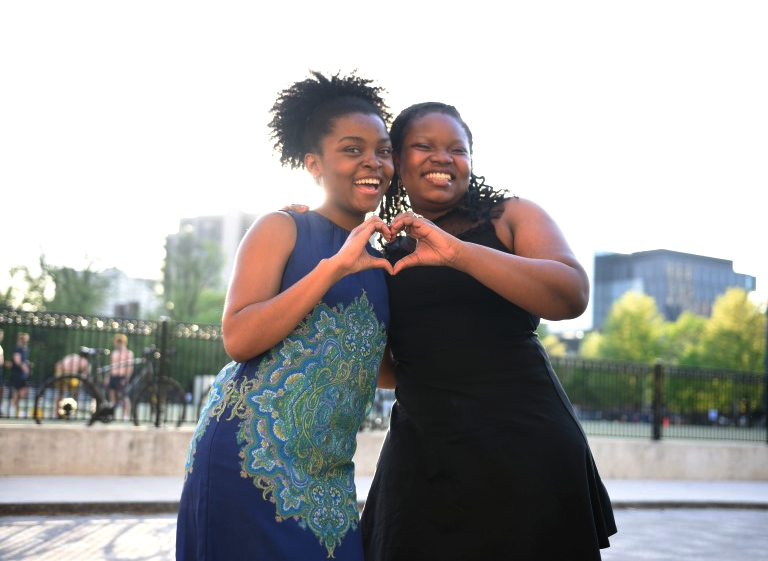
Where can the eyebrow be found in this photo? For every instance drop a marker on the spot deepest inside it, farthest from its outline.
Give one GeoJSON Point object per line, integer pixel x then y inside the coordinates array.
{"type": "Point", "coordinates": [361, 139]}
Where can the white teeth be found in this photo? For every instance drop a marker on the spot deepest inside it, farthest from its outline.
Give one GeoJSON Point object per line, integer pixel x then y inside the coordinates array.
{"type": "Point", "coordinates": [367, 182]}
{"type": "Point", "coordinates": [439, 176]}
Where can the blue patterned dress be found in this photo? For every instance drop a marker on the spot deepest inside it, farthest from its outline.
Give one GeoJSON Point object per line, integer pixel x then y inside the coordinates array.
{"type": "Point", "coordinates": [269, 474]}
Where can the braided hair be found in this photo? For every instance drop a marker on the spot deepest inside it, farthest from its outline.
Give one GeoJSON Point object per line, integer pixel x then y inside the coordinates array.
{"type": "Point", "coordinates": [478, 195]}
{"type": "Point", "coordinates": [304, 113]}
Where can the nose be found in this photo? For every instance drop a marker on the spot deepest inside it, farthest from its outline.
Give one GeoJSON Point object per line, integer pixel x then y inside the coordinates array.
{"type": "Point", "coordinates": [373, 160]}
{"type": "Point", "coordinates": [442, 155]}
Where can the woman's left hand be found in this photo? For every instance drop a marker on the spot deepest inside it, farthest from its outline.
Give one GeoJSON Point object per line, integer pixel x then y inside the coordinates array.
{"type": "Point", "coordinates": [434, 246]}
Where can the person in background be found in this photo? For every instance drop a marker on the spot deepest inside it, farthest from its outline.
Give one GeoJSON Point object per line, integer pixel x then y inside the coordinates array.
{"type": "Point", "coordinates": [74, 364]}
{"type": "Point", "coordinates": [484, 457]}
{"type": "Point", "coordinates": [20, 369]}
{"type": "Point", "coordinates": [269, 474]}
{"type": "Point", "coordinates": [121, 362]}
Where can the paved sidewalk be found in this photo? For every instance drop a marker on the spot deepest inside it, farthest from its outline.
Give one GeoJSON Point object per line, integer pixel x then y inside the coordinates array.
{"type": "Point", "coordinates": [134, 494]}
{"type": "Point", "coordinates": [133, 518]}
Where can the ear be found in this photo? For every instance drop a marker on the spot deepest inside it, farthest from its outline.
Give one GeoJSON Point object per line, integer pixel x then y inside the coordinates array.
{"type": "Point", "coordinates": [314, 166]}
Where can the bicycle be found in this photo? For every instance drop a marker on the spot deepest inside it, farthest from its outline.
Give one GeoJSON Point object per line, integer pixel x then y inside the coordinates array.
{"type": "Point", "coordinates": [79, 397]}
{"type": "Point", "coordinates": [160, 396]}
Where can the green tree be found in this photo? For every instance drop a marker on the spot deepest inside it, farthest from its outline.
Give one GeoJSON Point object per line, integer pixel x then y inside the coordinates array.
{"type": "Point", "coordinates": [634, 330]}
{"type": "Point", "coordinates": [61, 289]}
{"type": "Point", "coordinates": [682, 339]}
{"type": "Point", "coordinates": [590, 345]}
{"type": "Point", "coordinates": [80, 292]}
{"type": "Point", "coordinates": [210, 307]}
{"type": "Point", "coordinates": [192, 265]}
{"type": "Point", "coordinates": [29, 290]}
{"type": "Point", "coordinates": [734, 337]}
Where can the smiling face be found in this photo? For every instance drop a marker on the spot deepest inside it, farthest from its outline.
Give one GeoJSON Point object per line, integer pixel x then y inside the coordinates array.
{"type": "Point", "coordinates": [434, 163]}
{"type": "Point", "coordinates": [354, 166]}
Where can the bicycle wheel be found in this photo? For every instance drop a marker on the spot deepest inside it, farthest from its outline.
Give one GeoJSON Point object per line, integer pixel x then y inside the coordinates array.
{"type": "Point", "coordinates": [159, 402]}
{"type": "Point", "coordinates": [203, 401]}
{"type": "Point", "coordinates": [66, 399]}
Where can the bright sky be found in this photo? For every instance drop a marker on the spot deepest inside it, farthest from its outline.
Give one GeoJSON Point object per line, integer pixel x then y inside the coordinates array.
{"type": "Point", "coordinates": [637, 125]}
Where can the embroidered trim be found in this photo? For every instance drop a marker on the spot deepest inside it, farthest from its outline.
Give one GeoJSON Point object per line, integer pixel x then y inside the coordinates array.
{"type": "Point", "coordinates": [299, 416]}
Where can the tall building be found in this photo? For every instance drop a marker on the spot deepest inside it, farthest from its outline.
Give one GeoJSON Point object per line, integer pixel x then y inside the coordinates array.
{"type": "Point", "coordinates": [678, 282]}
{"type": "Point", "coordinates": [129, 297]}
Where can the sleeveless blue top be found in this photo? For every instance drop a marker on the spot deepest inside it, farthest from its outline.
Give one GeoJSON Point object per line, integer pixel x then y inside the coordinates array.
{"type": "Point", "coordinates": [269, 474]}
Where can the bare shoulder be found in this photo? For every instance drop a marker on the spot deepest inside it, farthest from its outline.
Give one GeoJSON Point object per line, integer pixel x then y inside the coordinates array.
{"type": "Point", "coordinates": [525, 226]}
{"type": "Point", "coordinates": [267, 243]}
{"type": "Point", "coordinates": [519, 207]}
{"type": "Point", "coordinates": [271, 227]}
{"type": "Point", "coordinates": [515, 213]}
{"type": "Point", "coordinates": [276, 219]}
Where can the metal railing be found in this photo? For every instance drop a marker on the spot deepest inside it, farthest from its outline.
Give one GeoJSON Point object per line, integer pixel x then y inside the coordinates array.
{"type": "Point", "coordinates": [611, 398]}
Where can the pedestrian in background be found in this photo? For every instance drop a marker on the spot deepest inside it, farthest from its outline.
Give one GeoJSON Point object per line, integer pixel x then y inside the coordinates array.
{"type": "Point", "coordinates": [121, 362]}
{"type": "Point", "coordinates": [20, 370]}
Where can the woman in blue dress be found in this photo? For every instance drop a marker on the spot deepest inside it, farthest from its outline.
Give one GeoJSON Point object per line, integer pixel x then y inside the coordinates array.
{"type": "Point", "coordinates": [269, 474]}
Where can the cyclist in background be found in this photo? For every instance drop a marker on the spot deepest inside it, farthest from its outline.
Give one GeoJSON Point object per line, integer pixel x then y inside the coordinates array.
{"type": "Point", "coordinates": [74, 364]}
{"type": "Point", "coordinates": [121, 368]}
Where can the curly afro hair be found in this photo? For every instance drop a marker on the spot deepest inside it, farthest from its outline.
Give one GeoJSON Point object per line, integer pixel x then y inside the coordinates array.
{"type": "Point", "coordinates": [305, 112]}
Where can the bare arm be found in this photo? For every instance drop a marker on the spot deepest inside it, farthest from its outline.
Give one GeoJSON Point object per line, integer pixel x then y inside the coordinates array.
{"type": "Point", "coordinates": [256, 314]}
{"type": "Point", "coordinates": [386, 379]}
{"type": "Point", "coordinates": [17, 360]}
{"type": "Point", "coordinates": [541, 276]}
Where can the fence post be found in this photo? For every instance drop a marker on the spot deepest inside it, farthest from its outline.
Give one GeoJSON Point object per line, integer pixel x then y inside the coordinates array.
{"type": "Point", "coordinates": [164, 349]}
{"type": "Point", "coordinates": [658, 381]}
{"type": "Point", "coordinates": [162, 369]}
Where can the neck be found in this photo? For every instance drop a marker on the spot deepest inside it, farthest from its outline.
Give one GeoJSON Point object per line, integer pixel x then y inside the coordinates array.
{"type": "Point", "coordinates": [343, 219]}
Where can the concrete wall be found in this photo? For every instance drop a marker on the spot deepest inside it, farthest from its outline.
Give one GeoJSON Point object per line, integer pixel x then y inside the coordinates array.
{"type": "Point", "coordinates": [115, 450]}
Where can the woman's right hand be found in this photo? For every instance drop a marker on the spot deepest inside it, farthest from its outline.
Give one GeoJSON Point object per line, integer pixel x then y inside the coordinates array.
{"type": "Point", "coordinates": [353, 255]}
{"type": "Point", "coordinates": [257, 315]}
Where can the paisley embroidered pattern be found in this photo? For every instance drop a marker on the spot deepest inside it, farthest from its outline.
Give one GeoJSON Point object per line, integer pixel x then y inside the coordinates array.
{"type": "Point", "coordinates": [225, 393]}
{"type": "Point", "coordinates": [300, 413]}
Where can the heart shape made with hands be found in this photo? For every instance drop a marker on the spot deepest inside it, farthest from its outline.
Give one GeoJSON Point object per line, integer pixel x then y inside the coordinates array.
{"type": "Point", "coordinates": [400, 247]}
{"type": "Point", "coordinates": [395, 227]}
{"type": "Point", "coordinates": [397, 248]}
{"type": "Point", "coordinates": [400, 244]}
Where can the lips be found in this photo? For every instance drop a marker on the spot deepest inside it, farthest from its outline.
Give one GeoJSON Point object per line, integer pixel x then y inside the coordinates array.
{"type": "Point", "coordinates": [438, 176]}
{"type": "Point", "coordinates": [369, 183]}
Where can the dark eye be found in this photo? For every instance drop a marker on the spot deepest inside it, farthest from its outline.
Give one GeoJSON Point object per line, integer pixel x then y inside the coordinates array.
{"type": "Point", "coordinates": [353, 150]}
{"type": "Point", "coordinates": [387, 151]}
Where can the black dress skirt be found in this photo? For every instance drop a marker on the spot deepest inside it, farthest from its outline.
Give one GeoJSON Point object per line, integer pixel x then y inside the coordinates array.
{"type": "Point", "coordinates": [484, 458]}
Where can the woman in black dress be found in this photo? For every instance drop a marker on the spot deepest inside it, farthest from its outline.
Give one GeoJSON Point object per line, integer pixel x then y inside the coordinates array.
{"type": "Point", "coordinates": [484, 458]}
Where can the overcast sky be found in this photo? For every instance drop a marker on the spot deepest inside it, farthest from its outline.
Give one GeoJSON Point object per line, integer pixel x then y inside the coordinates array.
{"type": "Point", "coordinates": [637, 125]}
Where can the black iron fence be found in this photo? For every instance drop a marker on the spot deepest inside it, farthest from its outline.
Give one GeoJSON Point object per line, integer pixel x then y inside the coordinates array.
{"type": "Point", "coordinates": [611, 398]}
{"type": "Point", "coordinates": [189, 354]}
{"type": "Point", "coordinates": [629, 399]}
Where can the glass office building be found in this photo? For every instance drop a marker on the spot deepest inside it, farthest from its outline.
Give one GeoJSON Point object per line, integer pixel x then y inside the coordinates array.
{"type": "Point", "coordinates": [678, 282]}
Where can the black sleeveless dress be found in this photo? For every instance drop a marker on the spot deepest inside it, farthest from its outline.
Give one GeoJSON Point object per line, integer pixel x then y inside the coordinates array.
{"type": "Point", "coordinates": [484, 458]}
